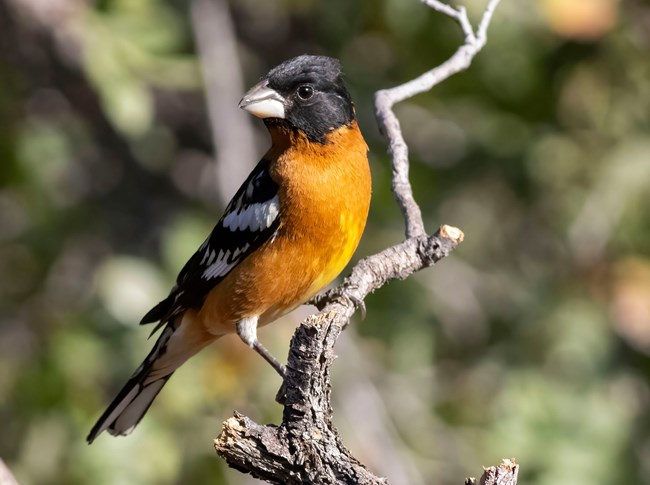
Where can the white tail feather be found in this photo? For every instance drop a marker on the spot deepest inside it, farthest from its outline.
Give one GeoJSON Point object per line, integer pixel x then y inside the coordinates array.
{"type": "Point", "coordinates": [175, 345]}
{"type": "Point", "coordinates": [132, 413]}
{"type": "Point", "coordinates": [132, 402]}
{"type": "Point", "coordinates": [117, 411]}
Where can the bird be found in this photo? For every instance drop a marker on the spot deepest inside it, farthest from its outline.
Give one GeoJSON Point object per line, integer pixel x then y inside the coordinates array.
{"type": "Point", "coordinates": [289, 230]}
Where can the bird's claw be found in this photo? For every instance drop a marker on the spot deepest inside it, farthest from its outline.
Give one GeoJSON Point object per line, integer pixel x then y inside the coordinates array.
{"type": "Point", "coordinates": [345, 294]}
{"type": "Point", "coordinates": [319, 300]}
{"type": "Point", "coordinates": [359, 304]}
{"type": "Point", "coordinates": [281, 396]}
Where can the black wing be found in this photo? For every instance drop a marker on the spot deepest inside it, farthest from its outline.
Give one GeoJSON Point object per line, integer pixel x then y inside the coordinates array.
{"type": "Point", "coordinates": [251, 218]}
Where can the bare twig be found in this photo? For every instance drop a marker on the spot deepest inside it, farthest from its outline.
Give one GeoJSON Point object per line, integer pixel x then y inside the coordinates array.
{"type": "Point", "coordinates": [385, 99]}
{"type": "Point", "coordinates": [306, 448]}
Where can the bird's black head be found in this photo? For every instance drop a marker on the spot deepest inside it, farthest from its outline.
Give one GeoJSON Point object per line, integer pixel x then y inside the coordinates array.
{"type": "Point", "coordinates": [306, 93]}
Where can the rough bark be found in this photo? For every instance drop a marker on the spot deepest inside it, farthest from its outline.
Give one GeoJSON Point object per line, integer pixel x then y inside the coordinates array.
{"type": "Point", "coordinates": [306, 448]}
{"type": "Point", "coordinates": [504, 474]}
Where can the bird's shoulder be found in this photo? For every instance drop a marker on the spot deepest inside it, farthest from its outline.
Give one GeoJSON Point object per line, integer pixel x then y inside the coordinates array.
{"type": "Point", "coordinates": [251, 218]}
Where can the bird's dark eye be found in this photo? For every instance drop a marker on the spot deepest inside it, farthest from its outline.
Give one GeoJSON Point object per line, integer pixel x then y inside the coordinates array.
{"type": "Point", "coordinates": [305, 92]}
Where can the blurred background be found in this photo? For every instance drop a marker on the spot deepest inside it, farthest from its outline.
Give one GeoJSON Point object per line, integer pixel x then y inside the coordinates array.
{"type": "Point", "coordinates": [121, 141]}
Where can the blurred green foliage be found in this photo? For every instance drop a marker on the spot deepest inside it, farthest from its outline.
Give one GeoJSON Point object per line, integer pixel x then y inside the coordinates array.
{"type": "Point", "coordinates": [532, 340]}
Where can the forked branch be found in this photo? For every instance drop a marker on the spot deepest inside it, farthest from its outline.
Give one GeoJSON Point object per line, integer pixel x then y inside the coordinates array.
{"type": "Point", "coordinates": [306, 448]}
{"type": "Point", "coordinates": [385, 99]}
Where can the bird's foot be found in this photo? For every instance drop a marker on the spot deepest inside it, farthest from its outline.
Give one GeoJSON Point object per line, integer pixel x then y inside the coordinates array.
{"type": "Point", "coordinates": [266, 355]}
{"type": "Point", "coordinates": [281, 396]}
{"type": "Point", "coordinates": [345, 293]}
{"type": "Point", "coordinates": [247, 331]}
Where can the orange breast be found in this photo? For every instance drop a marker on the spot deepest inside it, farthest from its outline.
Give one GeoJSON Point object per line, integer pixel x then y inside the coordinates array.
{"type": "Point", "coordinates": [324, 200]}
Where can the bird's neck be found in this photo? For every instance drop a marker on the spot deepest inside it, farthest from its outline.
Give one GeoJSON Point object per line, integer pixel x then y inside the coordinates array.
{"type": "Point", "coordinates": [284, 138]}
{"type": "Point", "coordinates": [318, 171]}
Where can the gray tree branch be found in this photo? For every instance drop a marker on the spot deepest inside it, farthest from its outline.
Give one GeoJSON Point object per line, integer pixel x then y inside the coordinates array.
{"type": "Point", "coordinates": [306, 448]}
{"type": "Point", "coordinates": [385, 99]}
{"type": "Point", "coordinates": [232, 131]}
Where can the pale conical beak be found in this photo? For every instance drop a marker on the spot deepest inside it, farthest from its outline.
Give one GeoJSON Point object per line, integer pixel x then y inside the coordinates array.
{"type": "Point", "coordinates": [263, 102]}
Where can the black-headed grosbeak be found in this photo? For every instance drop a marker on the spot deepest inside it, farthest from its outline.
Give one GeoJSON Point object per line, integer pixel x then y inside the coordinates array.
{"type": "Point", "coordinates": [289, 231]}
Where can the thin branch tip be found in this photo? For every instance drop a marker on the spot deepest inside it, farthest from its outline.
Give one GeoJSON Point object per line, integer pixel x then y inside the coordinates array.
{"type": "Point", "coordinates": [481, 32]}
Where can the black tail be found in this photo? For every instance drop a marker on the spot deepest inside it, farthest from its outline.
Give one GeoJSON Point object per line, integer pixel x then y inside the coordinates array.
{"type": "Point", "coordinates": [160, 312]}
{"type": "Point", "coordinates": [133, 401]}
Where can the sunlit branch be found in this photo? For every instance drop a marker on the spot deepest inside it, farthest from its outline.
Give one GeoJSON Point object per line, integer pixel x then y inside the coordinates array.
{"type": "Point", "coordinates": [306, 448]}
{"type": "Point", "coordinates": [385, 99]}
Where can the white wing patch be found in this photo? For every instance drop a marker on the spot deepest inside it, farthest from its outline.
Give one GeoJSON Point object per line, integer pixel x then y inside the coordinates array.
{"type": "Point", "coordinates": [208, 256]}
{"type": "Point", "coordinates": [224, 263]}
{"type": "Point", "coordinates": [254, 217]}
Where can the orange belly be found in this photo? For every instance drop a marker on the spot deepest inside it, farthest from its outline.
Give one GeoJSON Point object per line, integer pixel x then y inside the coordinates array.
{"type": "Point", "coordinates": [277, 278]}
{"type": "Point", "coordinates": [324, 200]}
